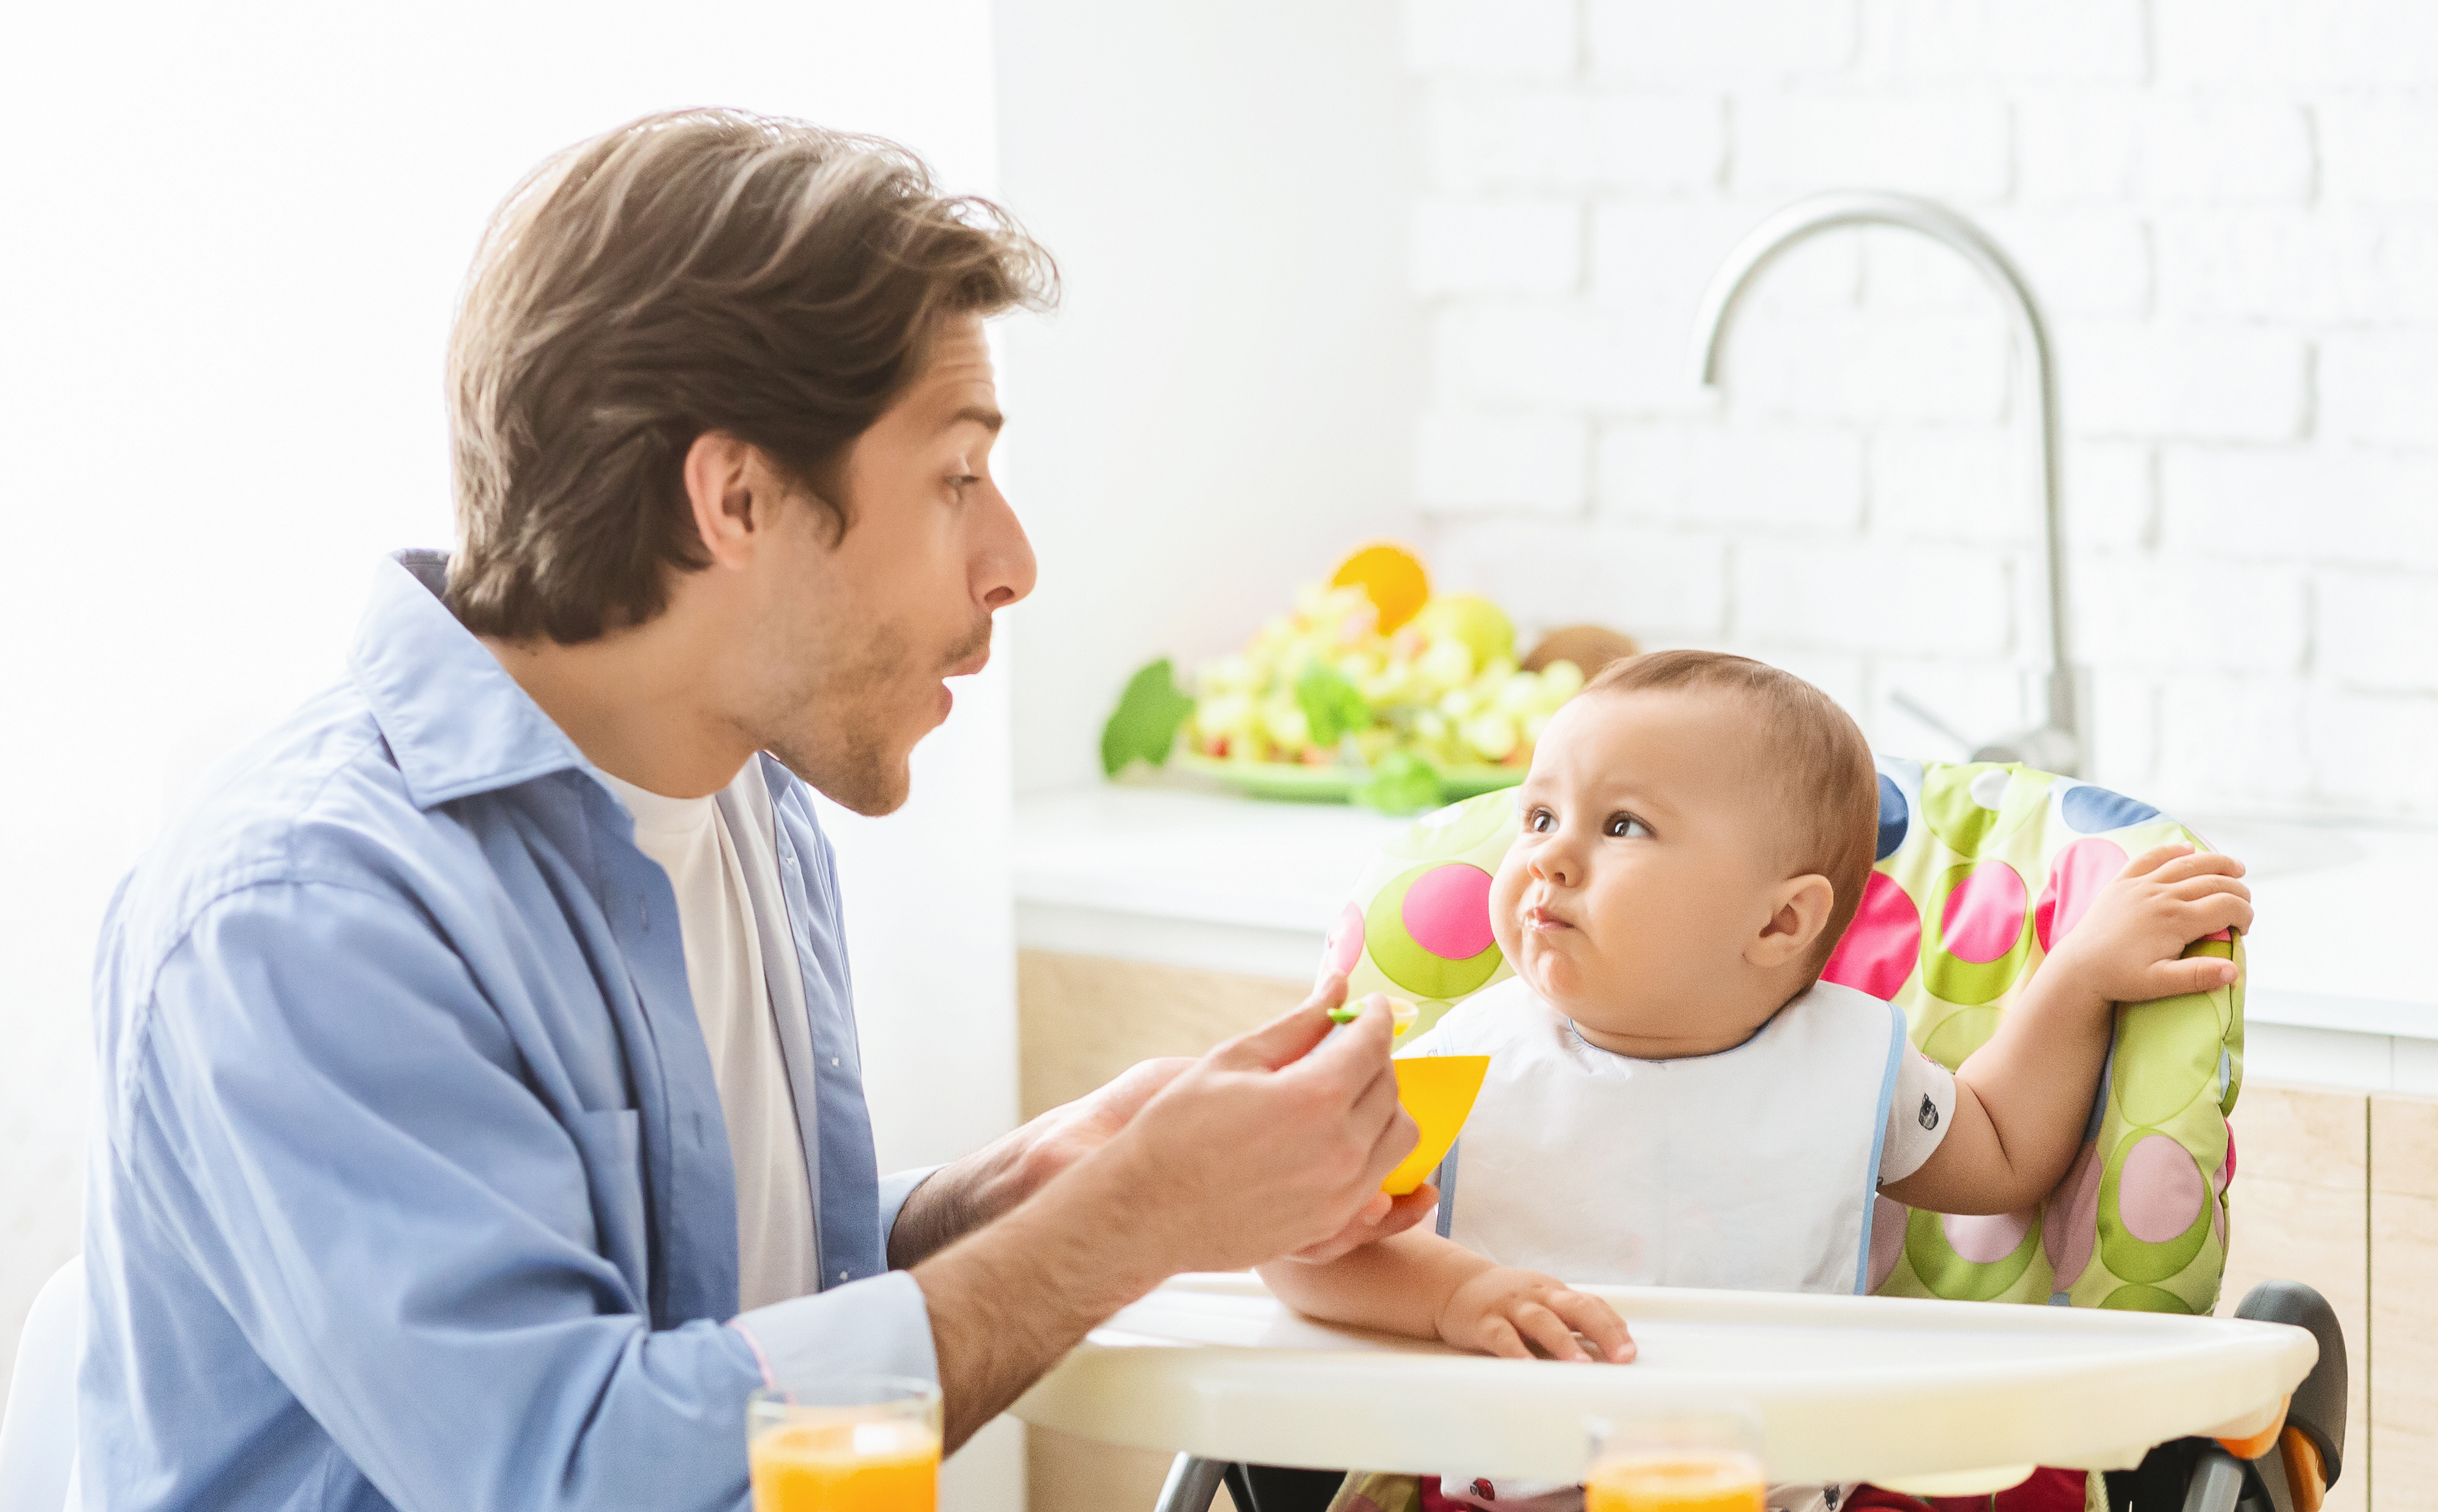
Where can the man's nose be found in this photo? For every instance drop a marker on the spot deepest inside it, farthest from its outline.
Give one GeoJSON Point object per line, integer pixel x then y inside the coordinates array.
{"type": "Point", "coordinates": [1007, 566]}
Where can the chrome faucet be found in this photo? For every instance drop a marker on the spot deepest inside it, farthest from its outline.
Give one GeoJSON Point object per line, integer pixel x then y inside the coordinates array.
{"type": "Point", "coordinates": [2062, 743]}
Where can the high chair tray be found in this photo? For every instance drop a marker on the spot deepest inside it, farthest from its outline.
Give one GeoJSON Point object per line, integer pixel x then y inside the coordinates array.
{"type": "Point", "coordinates": [1848, 1388]}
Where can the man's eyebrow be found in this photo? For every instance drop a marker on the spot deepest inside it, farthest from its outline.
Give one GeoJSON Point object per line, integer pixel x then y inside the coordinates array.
{"type": "Point", "coordinates": [989, 419]}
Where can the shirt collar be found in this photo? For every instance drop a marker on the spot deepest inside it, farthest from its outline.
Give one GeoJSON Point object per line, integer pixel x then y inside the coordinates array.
{"type": "Point", "coordinates": [456, 722]}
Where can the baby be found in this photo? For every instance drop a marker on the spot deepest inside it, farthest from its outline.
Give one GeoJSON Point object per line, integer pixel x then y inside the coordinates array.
{"type": "Point", "coordinates": [1674, 1096]}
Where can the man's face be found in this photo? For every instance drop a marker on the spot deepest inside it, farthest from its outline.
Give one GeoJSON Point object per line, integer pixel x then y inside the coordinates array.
{"type": "Point", "coordinates": [853, 640]}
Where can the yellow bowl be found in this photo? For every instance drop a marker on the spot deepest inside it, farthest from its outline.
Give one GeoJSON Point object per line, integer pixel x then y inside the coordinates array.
{"type": "Point", "coordinates": [1439, 1091]}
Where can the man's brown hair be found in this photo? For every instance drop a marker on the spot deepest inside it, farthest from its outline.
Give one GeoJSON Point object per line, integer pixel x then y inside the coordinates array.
{"type": "Point", "coordinates": [691, 271]}
{"type": "Point", "coordinates": [1828, 791]}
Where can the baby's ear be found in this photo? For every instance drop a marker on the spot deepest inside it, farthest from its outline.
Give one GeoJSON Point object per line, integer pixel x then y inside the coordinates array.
{"type": "Point", "coordinates": [1799, 908]}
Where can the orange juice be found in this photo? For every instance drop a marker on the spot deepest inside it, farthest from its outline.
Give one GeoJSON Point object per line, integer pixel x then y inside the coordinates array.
{"type": "Point", "coordinates": [1675, 1483]}
{"type": "Point", "coordinates": [845, 1466]}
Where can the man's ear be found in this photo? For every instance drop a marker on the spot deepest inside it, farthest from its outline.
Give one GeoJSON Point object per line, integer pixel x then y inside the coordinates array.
{"type": "Point", "coordinates": [730, 490]}
{"type": "Point", "coordinates": [1798, 912]}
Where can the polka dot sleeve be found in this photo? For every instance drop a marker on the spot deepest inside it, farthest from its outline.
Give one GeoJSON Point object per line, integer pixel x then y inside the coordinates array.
{"type": "Point", "coordinates": [1918, 1116]}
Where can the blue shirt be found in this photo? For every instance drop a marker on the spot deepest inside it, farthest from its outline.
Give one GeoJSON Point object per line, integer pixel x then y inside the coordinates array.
{"type": "Point", "coordinates": [411, 1186]}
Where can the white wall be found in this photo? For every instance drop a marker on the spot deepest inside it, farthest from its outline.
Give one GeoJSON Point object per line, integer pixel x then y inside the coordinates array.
{"type": "Point", "coordinates": [1224, 402]}
{"type": "Point", "coordinates": [2232, 213]}
{"type": "Point", "coordinates": [237, 231]}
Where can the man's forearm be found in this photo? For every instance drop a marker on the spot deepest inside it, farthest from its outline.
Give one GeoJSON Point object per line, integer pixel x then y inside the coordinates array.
{"type": "Point", "coordinates": [1008, 1299]}
{"type": "Point", "coordinates": [960, 1198]}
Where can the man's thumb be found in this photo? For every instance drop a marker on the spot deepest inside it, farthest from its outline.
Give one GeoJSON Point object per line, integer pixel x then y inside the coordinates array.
{"type": "Point", "coordinates": [1281, 1042]}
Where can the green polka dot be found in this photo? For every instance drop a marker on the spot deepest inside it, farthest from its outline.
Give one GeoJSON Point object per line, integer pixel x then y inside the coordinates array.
{"type": "Point", "coordinates": [1407, 964]}
{"type": "Point", "coordinates": [1964, 981]}
{"type": "Point", "coordinates": [2167, 1055]}
{"type": "Point", "coordinates": [1960, 1033]}
{"type": "Point", "coordinates": [1948, 1274]}
{"type": "Point", "coordinates": [2131, 1257]}
{"type": "Point", "coordinates": [1447, 834]}
{"type": "Point", "coordinates": [2145, 1299]}
{"type": "Point", "coordinates": [1955, 816]}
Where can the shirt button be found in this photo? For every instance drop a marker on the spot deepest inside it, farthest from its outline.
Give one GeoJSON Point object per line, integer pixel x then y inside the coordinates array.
{"type": "Point", "coordinates": [841, 1276]}
{"type": "Point", "coordinates": [834, 1059]}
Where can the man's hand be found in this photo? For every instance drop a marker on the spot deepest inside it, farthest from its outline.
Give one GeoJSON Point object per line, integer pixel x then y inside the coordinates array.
{"type": "Point", "coordinates": [2129, 947]}
{"type": "Point", "coordinates": [1065, 1135]}
{"type": "Point", "coordinates": [1507, 1311]}
{"type": "Point", "coordinates": [1272, 1143]}
{"type": "Point", "coordinates": [1275, 1142]}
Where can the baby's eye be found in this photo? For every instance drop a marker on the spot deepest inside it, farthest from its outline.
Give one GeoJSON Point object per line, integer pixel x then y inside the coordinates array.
{"type": "Point", "coordinates": [1625, 827]}
{"type": "Point", "coordinates": [1540, 821]}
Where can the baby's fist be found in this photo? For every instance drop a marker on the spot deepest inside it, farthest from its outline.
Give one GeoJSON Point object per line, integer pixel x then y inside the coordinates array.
{"type": "Point", "coordinates": [2129, 947]}
{"type": "Point", "coordinates": [1507, 1311]}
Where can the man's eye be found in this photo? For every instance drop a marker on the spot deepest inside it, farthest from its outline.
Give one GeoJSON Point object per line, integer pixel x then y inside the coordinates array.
{"type": "Point", "coordinates": [1626, 827]}
{"type": "Point", "coordinates": [962, 481]}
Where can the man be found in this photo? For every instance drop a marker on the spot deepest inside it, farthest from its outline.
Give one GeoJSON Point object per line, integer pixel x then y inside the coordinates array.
{"type": "Point", "coordinates": [482, 1118]}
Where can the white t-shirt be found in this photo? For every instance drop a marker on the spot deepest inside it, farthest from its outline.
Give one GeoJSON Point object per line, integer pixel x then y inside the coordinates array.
{"type": "Point", "coordinates": [721, 879]}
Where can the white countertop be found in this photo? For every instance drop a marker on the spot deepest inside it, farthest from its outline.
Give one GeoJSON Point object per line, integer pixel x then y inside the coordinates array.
{"type": "Point", "coordinates": [2339, 992]}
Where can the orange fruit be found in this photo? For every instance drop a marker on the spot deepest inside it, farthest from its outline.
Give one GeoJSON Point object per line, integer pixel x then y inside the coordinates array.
{"type": "Point", "coordinates": [1391, 577]}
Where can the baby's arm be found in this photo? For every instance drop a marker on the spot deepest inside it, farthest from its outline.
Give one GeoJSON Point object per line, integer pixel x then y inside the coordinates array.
{"type": "Point", "coordinates": [2022, 1098]}
{"type": "Point", "coordinates": [1426, 1287]}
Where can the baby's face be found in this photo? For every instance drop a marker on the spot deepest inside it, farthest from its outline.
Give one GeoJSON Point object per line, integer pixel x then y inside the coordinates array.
{"type": "Point", "coordinates": [1645, 869]}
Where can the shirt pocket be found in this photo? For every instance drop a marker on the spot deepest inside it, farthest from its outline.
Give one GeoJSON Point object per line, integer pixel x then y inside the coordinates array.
{"type": "Point", "coordinates": [609, 1142]}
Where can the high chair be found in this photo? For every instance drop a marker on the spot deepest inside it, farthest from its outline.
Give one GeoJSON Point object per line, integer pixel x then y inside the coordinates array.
{"type": "Point", "coordinates": [1980, 868]}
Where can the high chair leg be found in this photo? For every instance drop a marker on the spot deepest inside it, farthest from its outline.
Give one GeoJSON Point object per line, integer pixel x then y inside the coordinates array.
{"type": "Point", "coordinates": [1194, 1483]}
{"type": "Point", "coordinates": [2217, 1482]}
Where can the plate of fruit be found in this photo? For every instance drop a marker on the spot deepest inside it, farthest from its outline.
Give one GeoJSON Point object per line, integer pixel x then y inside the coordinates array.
{"type": "Point", "coordinates": [1372, 689]}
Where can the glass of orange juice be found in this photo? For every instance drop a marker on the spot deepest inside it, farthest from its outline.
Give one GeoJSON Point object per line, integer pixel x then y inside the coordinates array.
{"type": "Point", "coordinates": [845, 1444]}
{"type": "Point", "coordinates": [1681, 1462]}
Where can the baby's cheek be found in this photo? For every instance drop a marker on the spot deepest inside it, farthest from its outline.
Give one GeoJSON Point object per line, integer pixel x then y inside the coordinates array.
{"type": "Point", "coordinates": [1505, 897]}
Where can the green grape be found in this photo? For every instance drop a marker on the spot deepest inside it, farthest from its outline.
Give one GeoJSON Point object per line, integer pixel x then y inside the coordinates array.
{"type": "Point", "coordinates": [1286, 724]}
{"type": "Point", "coordinates": [1447, 664]}
{"type": "Point", "coordinates": [1561, 681]}
{"type": "Point", "coordinates": [1492, 734]}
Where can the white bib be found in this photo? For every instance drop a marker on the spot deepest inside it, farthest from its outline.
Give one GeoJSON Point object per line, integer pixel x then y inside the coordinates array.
{"type": "Point", "coordinates": [1753, 1169]}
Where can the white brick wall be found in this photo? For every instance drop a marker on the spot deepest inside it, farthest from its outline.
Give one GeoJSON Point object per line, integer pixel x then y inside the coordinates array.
{"type": "Point", "coordinates": [2230, 210]}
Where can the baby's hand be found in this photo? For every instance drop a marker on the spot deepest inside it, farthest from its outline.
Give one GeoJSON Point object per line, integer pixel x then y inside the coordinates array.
{"type": "Point", "coordinates": [2129, 947]}
{"type": "Point", "coordinates": [1506, 1311]}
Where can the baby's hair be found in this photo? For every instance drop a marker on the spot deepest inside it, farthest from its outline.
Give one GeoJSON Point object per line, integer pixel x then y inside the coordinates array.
{"type": "Point", "coordinates": [1829, 791]}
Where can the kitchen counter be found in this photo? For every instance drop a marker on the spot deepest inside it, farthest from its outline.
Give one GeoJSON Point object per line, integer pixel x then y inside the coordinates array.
{"type": "Point", "coordinates": [2340, 994]}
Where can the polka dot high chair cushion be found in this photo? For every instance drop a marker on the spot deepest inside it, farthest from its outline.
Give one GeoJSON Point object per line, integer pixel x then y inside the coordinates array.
{"type": "Point", "coordinates": [1981, 868]}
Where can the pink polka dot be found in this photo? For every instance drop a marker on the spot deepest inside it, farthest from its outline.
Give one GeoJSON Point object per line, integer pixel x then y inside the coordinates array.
{"type": "Point", "coordinates": [1984, 1238]}
{"type": "Point", "coordinates": [1985, 914]}
{"type": "Point", "coordinates": [1345, 945]}
{"type": "Point", "coordinates": [2073, 1227]}
{"type": "Point", "coordinates": [2226, 1172]}
{"type": "Point", "coordinates": [1447, 911]}
{"type": "Point", "coordinates": [2160, 1191]}
{"type": "Point", "coordinates": [1887, 1238]}
{"type": "Point", "coordinates": [1881, 944]}
{"type": "Point", "coordinates": [2075, 879]}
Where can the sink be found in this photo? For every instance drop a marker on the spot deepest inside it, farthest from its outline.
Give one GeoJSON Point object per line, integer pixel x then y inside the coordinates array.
{"type": "Point", "coordinates": [2280, 848]}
